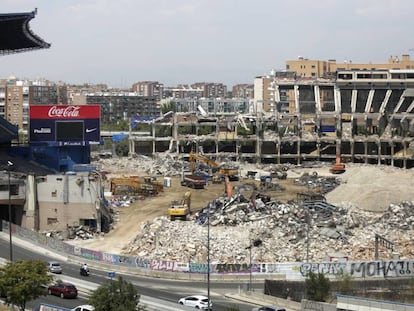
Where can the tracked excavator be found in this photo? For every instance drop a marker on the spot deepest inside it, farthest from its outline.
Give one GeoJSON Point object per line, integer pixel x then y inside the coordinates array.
{"type": "Point", "coordinates": [180, 209]}
{"type": "Point", "coordinates": [220, 171]}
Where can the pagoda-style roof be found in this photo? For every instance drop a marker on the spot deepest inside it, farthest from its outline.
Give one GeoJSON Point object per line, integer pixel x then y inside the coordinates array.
{"type": "Point", "coordinates": [16, 36]}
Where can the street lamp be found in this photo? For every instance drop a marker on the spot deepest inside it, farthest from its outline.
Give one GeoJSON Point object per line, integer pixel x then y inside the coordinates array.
{"type": "Point", "coordinates": [208, 252]}
{"type": "Point", "coordinates": [208, 255]}
{"type": "Point", "coordinates": [256, 243]}
{"type": "Point", "coordinates": [9, 165]}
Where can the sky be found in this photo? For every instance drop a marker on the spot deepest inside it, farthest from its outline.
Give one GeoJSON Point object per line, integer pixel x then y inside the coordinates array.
{"type": "Point", "coordinates": [187, 41]}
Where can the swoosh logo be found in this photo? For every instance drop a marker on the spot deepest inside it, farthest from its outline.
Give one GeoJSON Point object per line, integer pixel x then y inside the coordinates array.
{"type": "Point", "coordinates": [91, 130]}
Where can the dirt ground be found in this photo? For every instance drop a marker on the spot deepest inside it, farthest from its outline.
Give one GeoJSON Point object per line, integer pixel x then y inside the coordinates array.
{"type": "Point", "coordinates": [131, 218]}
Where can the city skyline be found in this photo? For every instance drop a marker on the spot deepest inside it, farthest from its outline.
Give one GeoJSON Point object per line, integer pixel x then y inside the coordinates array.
{"type": "Point", "coordinates": [183, 42]}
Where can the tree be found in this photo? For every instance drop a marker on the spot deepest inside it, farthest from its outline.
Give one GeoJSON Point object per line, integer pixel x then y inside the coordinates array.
{"type": "Point", "coordinates": [317, 286]}
{"type": "Point", "coordinates": [24, 280]}
{"type": "Point", "coordinates": [122, 147]}
{"type": "Point", "coordinates": [116, 295]}
{"type": "Point", "coordinates": [167, 107]}
{"type": "Point", "coordinates": [344, 281]}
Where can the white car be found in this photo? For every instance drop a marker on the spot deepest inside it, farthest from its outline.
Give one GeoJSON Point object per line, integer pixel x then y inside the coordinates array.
{"type": "Point", "coordinates": [54, 267]}
{"type": "Point", "coordinates": [196, 301]}
{"type": "Point", "coordinates": [84, 308]}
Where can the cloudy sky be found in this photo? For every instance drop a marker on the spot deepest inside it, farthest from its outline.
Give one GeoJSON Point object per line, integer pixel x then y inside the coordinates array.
{"type": "Point", "coordinates": [119, 42]}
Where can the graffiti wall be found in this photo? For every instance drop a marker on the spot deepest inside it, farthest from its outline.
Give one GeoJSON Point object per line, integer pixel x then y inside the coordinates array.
{"type": "Point", "coordinates": [290, 271]}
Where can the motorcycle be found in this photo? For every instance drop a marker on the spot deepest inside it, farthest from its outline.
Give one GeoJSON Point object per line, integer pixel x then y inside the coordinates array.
{"type": "Point", "coordinates": [84, 272]}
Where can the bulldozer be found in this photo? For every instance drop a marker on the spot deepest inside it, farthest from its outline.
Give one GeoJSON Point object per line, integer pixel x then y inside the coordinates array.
{"type": "Point", "coordinates": [180, 209]}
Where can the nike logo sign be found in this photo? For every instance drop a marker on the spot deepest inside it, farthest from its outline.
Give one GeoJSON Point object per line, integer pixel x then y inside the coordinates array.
{"type": "Point", "coordinates": [91, 130]}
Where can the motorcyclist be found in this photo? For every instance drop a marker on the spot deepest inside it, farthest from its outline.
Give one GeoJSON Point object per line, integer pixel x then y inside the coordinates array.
{"type": "Point", "coordinates": [85, 268]}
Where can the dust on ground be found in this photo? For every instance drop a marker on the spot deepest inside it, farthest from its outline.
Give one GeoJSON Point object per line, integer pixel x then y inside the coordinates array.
{"type": "Point", "coordinates": [131, 218]}
{"type": "Point", "coordinates": [367, 187]}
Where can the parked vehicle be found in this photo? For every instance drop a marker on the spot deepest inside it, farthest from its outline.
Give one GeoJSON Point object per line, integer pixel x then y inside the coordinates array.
{"type": "Point", "coordinates": [269, 308]}
{"type": "Point", "coordinates": [196, 301]}
{"type": "Point", "coordinates": [63, 290]}
{"type": "Point", "coordinates": [192, 181]}
{"type": "Point", "coordinates": [54, 267]}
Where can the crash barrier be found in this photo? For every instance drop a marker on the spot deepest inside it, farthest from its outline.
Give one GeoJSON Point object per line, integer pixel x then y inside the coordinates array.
{"type": "Point", "coordinates": [288, 271]}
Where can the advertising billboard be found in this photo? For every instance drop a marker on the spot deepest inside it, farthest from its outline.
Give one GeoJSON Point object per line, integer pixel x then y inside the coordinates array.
{"type": "Point", "coordinates": [63, 125]}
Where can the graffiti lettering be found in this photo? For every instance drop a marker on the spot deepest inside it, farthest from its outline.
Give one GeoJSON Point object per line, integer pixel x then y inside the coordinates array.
{"type": "Point", "coordinates": [333, 268]}
{"type": "Point", "coordinates": [382, 268]}
{"type": "Point", "coordinates": [235, 268]}
{"type": "Point", "coordinates": [144, 263]}
{"type": "Point", "coordinates": [162, 265]}
{"type": "Point", "coordinates": [198, 268]}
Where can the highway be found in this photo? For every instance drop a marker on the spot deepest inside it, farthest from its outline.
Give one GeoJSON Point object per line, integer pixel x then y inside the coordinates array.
{"type": "Point", "coordinates": [157, 294]}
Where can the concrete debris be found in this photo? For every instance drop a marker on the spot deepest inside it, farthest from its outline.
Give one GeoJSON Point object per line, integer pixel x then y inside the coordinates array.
{"type": "Point", "coordinates": [283, 229]}
{"type": "Point", "coordinates": [355, 206]}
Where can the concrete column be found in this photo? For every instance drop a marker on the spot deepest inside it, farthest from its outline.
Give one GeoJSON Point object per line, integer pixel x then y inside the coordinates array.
{"type": "Point", "coordinates": [352, 145]}
{"type": "Point", "coordinates": [278, 150]}
{"type": "Point", "coordinates": [379, 152]}
{"type": "Point", "coordinates": [392, 153]}
{"type": "Point", "coordinates": [405, 154]}
{"type": "Point", "coordinates": [258, 150]}
{"type": "Point", "coordinates": [30, 219]}
{"type": "Point", "coordinates": [366, 152]}
{"type": "Point", "coordinates": [318, 150]}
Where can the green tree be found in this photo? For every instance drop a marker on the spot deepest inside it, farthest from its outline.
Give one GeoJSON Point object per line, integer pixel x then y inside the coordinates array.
{"type": "Point", "coordinates": [317, 286]}
{"type": "Point", "coordinates": [24, 280]}
{"type": "Point", "coordinates": [170, 106]}
{"type": "Point", "coordinates": [344, 281]}
{"type": "Point", "coordinates": [116, 295]}
{"type": "Point", "coordinates": [122, 147]}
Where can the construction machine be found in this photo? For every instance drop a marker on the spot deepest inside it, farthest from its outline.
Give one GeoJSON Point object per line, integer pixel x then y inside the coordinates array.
{"type": "Point", "coordinates": [135, 185]}
{"type": "Point", "coordinates": [180, 209]}
{"type": "Point", "coordinates": [221, 170]}
{"type": "Point", "coordinates": [338, 167]}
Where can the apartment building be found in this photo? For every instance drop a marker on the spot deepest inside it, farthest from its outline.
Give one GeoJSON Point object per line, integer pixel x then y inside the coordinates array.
{"type": "Point", "coordinates": [211, 90]}
{"type": "Point", "coordinates": [149, 89]}
{"type": "Point", "coordinates": [307, 68]}
{"type": "Point", "coordinates": [183, 91]}
{"type": "Point", "coordinates": [120, 106]}
{"type": "Point", "coordinates": [16, 96]}
{"type": "Point", "coordinates": [213, 105]}
{"type": "Point", "coordinates": [243, 91]}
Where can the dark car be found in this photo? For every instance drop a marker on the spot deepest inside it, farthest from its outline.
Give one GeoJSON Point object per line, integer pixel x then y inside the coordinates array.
{"type": "Point", "coordinates": [64, 290]}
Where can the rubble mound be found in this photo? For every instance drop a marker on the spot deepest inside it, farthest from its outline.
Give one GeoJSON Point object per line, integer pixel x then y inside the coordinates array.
{"type": "Point", "coordinates": [369, 200]}
{"type": "Point", "coordinates": [282, 228]}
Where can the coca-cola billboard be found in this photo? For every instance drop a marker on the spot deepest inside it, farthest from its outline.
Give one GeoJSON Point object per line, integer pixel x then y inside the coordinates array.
{"type": "Point", "coordinates": [65, 124]}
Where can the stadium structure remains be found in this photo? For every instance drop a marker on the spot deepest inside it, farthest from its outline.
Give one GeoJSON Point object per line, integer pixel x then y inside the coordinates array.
{"type": "Point", "coordinates": [365, 116]}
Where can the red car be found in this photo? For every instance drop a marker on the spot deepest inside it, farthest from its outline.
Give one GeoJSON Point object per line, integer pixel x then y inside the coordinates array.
{"type": "Point", "coordinates": [64, 290]}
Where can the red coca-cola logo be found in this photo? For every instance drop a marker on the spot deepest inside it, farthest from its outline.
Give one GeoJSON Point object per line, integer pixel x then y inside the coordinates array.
{"type": "Point", "coordinates": [64, 112]}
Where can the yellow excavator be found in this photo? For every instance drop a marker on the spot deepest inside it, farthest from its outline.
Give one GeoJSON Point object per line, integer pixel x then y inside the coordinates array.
{"type": "Point", "coordinates": [219, 170]}
{"type": "Point", "coordinates": [180, 209]}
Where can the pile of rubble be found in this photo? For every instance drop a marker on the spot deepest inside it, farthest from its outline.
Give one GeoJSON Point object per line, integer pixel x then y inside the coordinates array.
{"type": "Point", "coordinates": [289, 232]}
{"type": "Point", "coordinates": [362, 202]}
